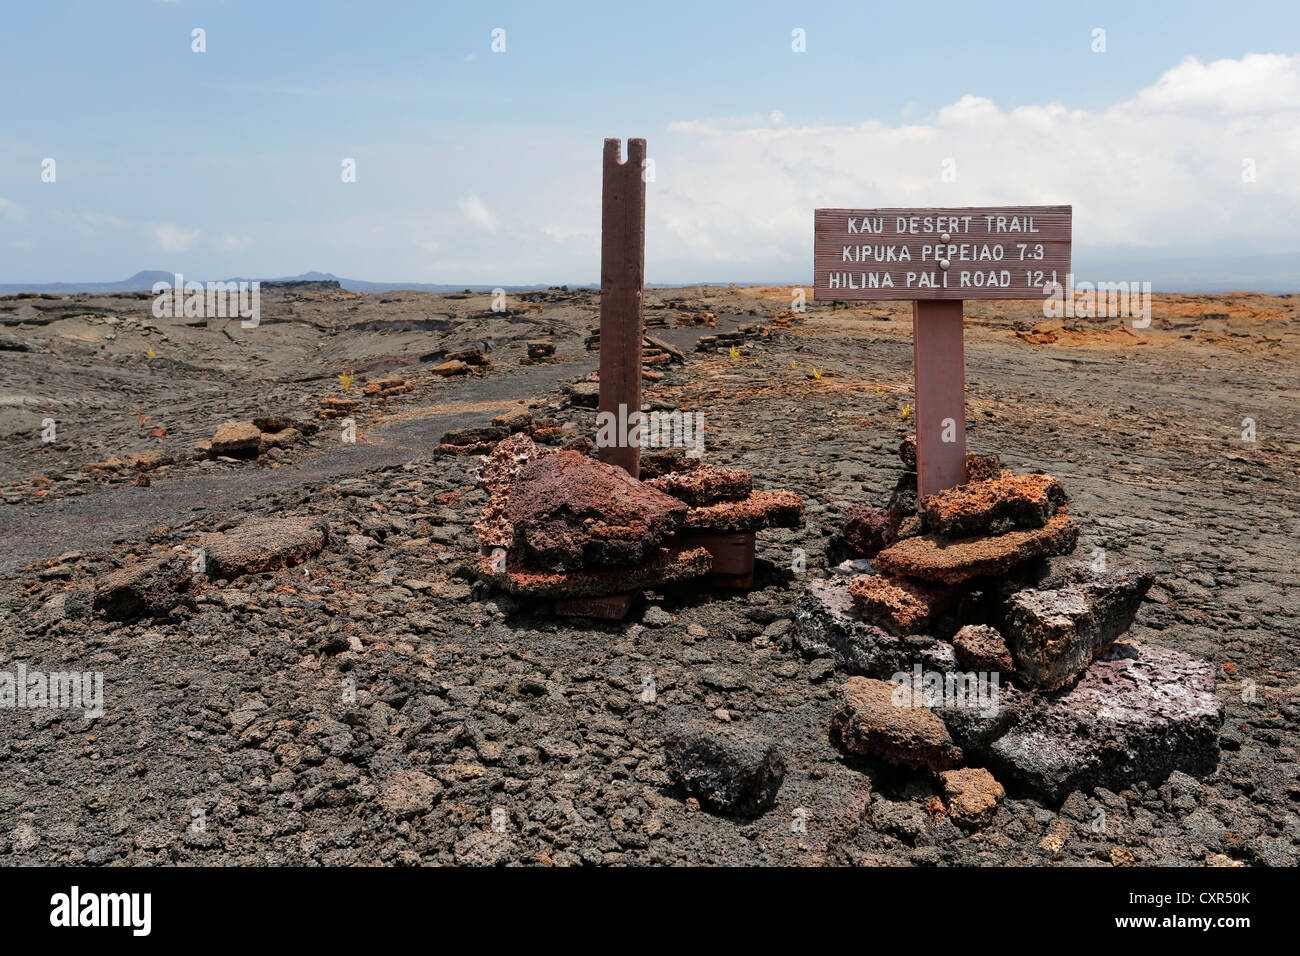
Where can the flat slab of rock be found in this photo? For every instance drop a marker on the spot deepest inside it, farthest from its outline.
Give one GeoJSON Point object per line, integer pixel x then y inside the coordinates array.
{"type": "Point", "coordinates": [828, 624]}
{"type": "Point", "coordinates": [151, 586]}
{"type": "Point", "coordinates": [762, 509]}
{"type": "Point", "coordinates": [237, 440]}
{"type": "Point", "coordinates": [993, 506]}
{"type": "Point", "coordinates": [951, 561]}
{"type": "Point", "coordinates": [869, 721]}
{"type": "Point", "coordinates": [728, 769]}
{"type": "Point", "coordinates": [1054, 634]}
{"type": "Point", "coordinates": [898, 605]}
{"type": "Point", "coordinates": [705, 485]}
{"type": "Point", "coordinates": [1139, 712]}
{"type": "Point", "coordinates": [263, 544]}
{"type": "Point", "coordinates": [663, 567]}
{"type": "Point", "coordinates": [572, 512]}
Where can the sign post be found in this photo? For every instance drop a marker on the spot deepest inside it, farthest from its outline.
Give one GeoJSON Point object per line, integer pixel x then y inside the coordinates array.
{"type": "Point", "coordinates": [622, 277]}
{"type": "Point", "coordinates": [938, 258]}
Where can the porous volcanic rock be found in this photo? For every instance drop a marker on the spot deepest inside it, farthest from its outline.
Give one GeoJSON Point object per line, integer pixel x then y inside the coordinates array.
{"type": "Point", "coordinates": [982, 648]}
{"type": "Point", "coordinates": [1139, 712]}
{"type": "Point", "coordinates": [899, 605]}
{"type": "Point", "coordinates": [514, 420]}
{"type": "Point", "coordinates": [993, 506]}
{"type": "Point", "coordinates": [730, 770]}
{"type": "Point", "coordinates": [261, 544]}
{"type": "Point", "coordinates": [664, 566]}
{"type": "Point", "coordinates": [409, 793]}
{"type": "Point", "coordinates": [762, 509]}
{"type": "Point", "coordinates": [869, 721]}
{"type": "Point", "coordinates": [705, 485]}
{"type": "Point", "coordinates": [934, 558]}
{"type": "Point", "coordinates": [976, 467]}
{"type": "Point", "coordinates": [150, 586]}
{"type": "Point", "coordinates": [496, 475]}
{"type": "Point", "coordinates": [1054, 634]}
{"type": "Point", "coordinates": [973, 794]}
{"type": "Point", "coordinates": [828, 624]}
{"type": "Point", "coordinates": [867, 531]}
{"type": "Point", "coordinates": [237, 440]}
{"type": "Point", "coordinates": [571, 512]}
{"type": "Point", "coordinates": [665, 461]}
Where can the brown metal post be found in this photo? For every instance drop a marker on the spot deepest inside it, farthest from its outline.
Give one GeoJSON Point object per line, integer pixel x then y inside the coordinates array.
{"type": "Point", "coordinates": [622, 278]}
{"type": "Point", "coordinates": [939, 366]}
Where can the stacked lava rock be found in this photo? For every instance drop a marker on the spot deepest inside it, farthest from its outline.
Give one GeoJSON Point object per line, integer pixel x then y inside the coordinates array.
{"type": "Point", "coordinates": [559, 524]}
{"type": "Point", "coordinates": [975, 582]}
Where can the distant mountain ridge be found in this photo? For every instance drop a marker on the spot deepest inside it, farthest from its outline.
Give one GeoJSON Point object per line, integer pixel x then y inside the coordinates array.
{"type": "Point", "coordinates": [144, 280]}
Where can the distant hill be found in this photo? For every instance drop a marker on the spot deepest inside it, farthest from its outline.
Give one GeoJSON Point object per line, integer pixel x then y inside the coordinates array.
{"type": "Point", "coordinates": [1273, 274]}
{"type": "Point", "coordinates": [144, 281]}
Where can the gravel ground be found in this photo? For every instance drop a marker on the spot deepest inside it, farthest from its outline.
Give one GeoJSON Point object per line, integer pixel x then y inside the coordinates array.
{"type": "Point", "coordinates": [375, 703]}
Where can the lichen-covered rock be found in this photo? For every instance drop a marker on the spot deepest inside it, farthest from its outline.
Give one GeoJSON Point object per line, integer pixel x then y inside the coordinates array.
{"type": "Point", "coordinates": [870, 721]}
{"type": "Point", "coordinates": [728, 769]}
{"type": "Point", "coordinates": [571, 512]}
{"type": "Point", "coordinates": [1139, 712]}
{"type": "Point", "coordinates": [993, 506]}
{"type": "Point", "coordinates": [934, 558]}
{"type": "Point", "coordinates": [496, 475]}
{"type": "Point", "coordinates": [1053, 634]}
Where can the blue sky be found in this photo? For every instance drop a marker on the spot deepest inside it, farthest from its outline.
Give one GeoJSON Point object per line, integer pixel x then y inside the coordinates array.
{"type": "Point", "coordinates": [483, 167]}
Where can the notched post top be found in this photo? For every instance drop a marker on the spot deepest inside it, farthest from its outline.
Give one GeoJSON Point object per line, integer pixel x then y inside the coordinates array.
{"type": "Point", "coordinates": [614, 152]}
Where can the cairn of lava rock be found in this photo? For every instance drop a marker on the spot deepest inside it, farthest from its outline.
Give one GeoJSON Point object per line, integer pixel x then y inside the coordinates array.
{"type": "Point", "coordinates": [939, 599]}
{"type": "Point", "coordinates": [560, 525]}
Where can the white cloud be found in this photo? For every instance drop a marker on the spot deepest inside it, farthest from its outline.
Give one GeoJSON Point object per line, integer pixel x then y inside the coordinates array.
{"type": "Point", "coordinates": [171, 238]}
{"type": "Point", "coordinates": [233, 243]}
{"type": "Point", "coordinates": [478, 213]}
{"type": "Point", "coordinates": [1161, 171]}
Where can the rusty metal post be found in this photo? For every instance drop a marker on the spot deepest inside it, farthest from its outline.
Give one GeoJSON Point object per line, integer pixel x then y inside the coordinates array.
{"type": "Point", "coordinates": [622, 278]}
{"type": "Point", "coordinates": [939, 367]}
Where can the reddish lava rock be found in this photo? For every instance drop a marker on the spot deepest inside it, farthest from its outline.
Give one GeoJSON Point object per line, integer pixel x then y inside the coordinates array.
{"type": "Point", "coordinates": [868, 721]}
{"type": "Point", "coordinates": [981, 648]}
{"type": "Point", "coordinates": [705, 485]}
{"type": "Point", "coordinates": [898, 605]}
{"type": "Point", "coordinates": [868, 531]}
{"type": "Point", "coordinates": [496, 475]}
{"type": "Point", "coordinates": [762, 509]}
{"type": "Point", "coordinates": [937, 559]}
{"type": "Point", "coordinates": [663, 567]}
{"type": "Point", "coordinates": [571, 512]}
{"type": "Point", "coordinates": [993, 506]}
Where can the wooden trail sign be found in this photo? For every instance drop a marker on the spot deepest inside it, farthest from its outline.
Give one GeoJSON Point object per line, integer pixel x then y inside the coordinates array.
{"type": "Point", "coordinates": [937, 258]}
{"type": "Point", "coordinates": [622, 277]}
